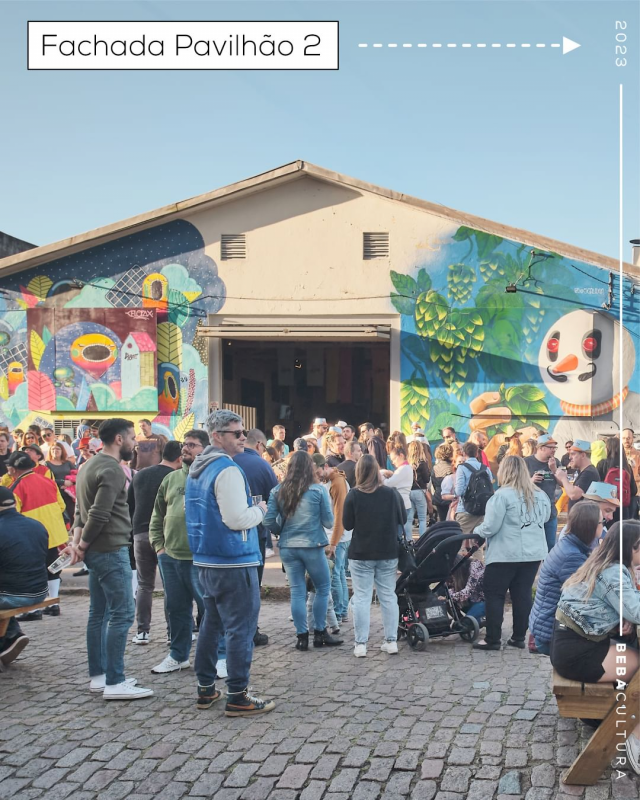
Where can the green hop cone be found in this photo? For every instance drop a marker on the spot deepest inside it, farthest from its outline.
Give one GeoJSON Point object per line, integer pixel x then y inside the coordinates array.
{"type": "Point", "coordinates": [430, 314]}
{"type": "Point", "coordinates": [414, 403]}
{"type": "Point", "coordinates": [460, 280]}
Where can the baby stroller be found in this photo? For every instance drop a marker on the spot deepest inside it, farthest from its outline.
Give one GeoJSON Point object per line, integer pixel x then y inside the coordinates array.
{"type": "Point", "coordinates": [422, 615]}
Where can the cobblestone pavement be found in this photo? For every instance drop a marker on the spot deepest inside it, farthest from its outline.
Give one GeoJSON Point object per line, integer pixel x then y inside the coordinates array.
{"type": "Point", "coordinates": [446, 723]}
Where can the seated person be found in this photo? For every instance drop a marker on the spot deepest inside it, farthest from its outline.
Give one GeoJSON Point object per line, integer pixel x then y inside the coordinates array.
{"type": "Point", "coordinates": [571, 551]}
{"type": "Point", "coordinates": [588, 616]}
{"type": "Point", "coordinates": [466, 588]}
{"type": "Point", "coordinates": [23, 569]}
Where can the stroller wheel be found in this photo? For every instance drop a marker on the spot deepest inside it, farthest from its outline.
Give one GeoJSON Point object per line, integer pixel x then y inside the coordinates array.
{"type": "Point", "coordinates": [472, 629]}
{"type": "Point", "coordinates": [417, 636]}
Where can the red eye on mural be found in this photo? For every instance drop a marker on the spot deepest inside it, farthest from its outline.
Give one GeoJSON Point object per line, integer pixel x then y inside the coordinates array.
{"type": "Point", "coordinates": [553, 345]}
{"type": "Point", "coordinates": [590, 344]}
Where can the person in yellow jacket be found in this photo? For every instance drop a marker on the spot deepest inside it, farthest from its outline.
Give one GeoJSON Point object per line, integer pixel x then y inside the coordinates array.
{"type": "Point", "coordinates": [39, 498]}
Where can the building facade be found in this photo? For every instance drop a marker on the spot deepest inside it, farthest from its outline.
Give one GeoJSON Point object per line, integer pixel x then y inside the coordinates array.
{"type": "Point", "coordinates": [302, 292]}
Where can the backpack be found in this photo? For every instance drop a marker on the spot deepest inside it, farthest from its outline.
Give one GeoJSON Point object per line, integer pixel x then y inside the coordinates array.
{"type": "Point", "coordinates": [613, 477]}
{"type": "Point", "coordinates": [478, 491]}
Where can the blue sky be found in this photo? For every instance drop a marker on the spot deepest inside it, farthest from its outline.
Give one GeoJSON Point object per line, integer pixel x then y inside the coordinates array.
{"type": "Point", "coordinates": [524, 137]}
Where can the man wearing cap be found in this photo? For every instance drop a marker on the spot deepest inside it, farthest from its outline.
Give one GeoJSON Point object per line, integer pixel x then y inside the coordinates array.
{"type": "Point", "coordinates": [319, 429]}
{"type": "Point", "coordinates": [542, 466]}
{"type": "Point", "coordinates": [23, 571]}
{"type": "Point", "coordinates": [580, 460]}
{"type": "Point", "coordinates": [606, 496]}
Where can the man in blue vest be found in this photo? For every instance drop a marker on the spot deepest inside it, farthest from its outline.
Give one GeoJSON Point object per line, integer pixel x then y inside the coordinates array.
{"type": "Point", "coordinates": [223, 537]}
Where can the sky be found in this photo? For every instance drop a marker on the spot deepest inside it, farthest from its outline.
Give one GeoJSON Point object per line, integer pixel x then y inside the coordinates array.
{"type": "Point", "coordinates": [524, 137]}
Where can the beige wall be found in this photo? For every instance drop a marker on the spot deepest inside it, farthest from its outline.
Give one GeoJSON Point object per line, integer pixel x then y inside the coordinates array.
{"type": "Point", "coordinates": [304, 240]}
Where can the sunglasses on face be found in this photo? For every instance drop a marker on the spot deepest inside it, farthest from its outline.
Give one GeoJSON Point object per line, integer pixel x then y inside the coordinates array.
{"type": "Point", "coordinates": [237, 434]}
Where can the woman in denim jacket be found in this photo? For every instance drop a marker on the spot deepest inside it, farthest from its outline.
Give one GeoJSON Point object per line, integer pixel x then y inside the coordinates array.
{"type": "Point", "coordinates": [299, 510]}
{"type": "Point", "coordinates": [514, 529]}
{"type": "Point", "coordinates": [589, 612]}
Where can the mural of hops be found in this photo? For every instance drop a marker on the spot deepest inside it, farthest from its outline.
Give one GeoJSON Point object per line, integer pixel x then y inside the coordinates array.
{"type": "Point", "coordinates": [492, 268]}
{"type": "Point", "coordinates": [414, 402]}
{"type": "Point", "coordinates": [201, 344]}
{"type": "Point", "coordinates": [460, 280]}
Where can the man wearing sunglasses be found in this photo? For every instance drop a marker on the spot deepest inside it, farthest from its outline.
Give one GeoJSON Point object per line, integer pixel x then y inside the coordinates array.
{"type": "Point", "coordinates": [222, 528]}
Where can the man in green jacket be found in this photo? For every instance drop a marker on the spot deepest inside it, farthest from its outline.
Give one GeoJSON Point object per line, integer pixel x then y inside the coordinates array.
{"type": "Point", "coordinates": [168, 537]}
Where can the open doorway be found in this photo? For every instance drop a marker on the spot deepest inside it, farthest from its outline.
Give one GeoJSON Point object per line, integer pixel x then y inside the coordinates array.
{"type": "Point", "coordinates": [290, 383]}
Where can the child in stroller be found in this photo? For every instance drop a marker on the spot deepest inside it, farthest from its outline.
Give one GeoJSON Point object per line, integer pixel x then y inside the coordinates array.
{"type": "Point", "coordinates": [427, 608]}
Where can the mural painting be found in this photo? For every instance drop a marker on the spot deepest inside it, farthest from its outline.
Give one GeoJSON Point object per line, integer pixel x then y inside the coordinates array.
{"type": "Point", "coordinates": [498, 337]}
{"type": "Point", "coordinates": [111, 329]}
{"type": "Point", "coordinates": [91, 359]}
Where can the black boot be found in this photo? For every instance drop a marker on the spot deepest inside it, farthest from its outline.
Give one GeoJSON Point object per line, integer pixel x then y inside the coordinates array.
{"type": "Point", "coordinates": [325, 639]}
{"type": "Point", "coordinates": [303, 641]}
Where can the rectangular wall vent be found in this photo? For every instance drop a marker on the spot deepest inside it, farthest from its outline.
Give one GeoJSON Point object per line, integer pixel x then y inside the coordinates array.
{"type": "Point", "coordinates": [233, 246]}
{"type": "Point", "coordinates": [375, 245]}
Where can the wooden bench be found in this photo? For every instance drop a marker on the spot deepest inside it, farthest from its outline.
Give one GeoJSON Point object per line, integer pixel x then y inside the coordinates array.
{"type": "Point", "coordinates": [7, 613]}
{"type": "Point", "coordinates": [618, 711]}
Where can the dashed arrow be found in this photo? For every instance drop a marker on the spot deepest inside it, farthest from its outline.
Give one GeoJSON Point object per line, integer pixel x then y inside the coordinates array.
{"type": "Point", "coordinates": [567, 45]}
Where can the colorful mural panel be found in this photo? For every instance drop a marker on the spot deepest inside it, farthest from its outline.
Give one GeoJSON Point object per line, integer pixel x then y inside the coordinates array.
{"type": "Point", "coordinates": [112, 329]}
{"type": "Point", "coordinates": [498, 337]}
{"type": "Point", "coordinates": [91, 359]}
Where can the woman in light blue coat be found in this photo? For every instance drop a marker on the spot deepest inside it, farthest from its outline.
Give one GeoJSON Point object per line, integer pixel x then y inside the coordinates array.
{"type": "Point", "coordinates": [514, 529]}
{"type": "Point", "coordinates": [299, 510]}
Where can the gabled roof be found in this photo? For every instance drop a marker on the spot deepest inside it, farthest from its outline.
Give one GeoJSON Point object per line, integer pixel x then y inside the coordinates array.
{"type": "Point", "coordinates": [288, 172]}
{"type": "Point", "coordinates": [144, 341]}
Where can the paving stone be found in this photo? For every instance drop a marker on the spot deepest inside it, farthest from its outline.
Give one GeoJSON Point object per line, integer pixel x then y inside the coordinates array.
{"type": "Point", "coordinates": [365, 790]}
{"type": "Point", "coordinates": [379, 769]}
{"type": "Point", "coordinates": [536, 793]}
{"type": "Point", "coordinates": [424, 790]}
{"type": "Point", "coordinates": [344, 780]}
{"type": "Point", "coordinates": [432, 768]}
{"type": "Point", "coordinates": [325, 768]}
{"type": "Point", "coordinates": [259, 789]}
{"type": "Point", "coordinates": [122, 789]}
{"type": "Point", "coordinates": [207, 785]}
{"type": "Point", "coordinates": [482, 790]}
{"type": "Point", "coordinates": [356, 757]}
{"type": "Point", "coordinates": [515, 757]}
{"type": "Point", "coordinates": [456, 779]}
{"type": "Point", "coordinates": [510, 783]}
{"type": "Point", "coordinates": [399, 784]}
{"type": "Point", "coordinates": [274, 766]}
{"type": "Point", "coordinates": [408, 760]}
{"type": "Point", "coordinates": [314, 790]}
{"type": "Point", "coordinates": [461, 755]}
{"type": "Point", "coordinates": [294, 777]}
{"type": "Point", "coordinates": [49, 778]}
{"type": "Point", "coordinates": [101, 779]}
{"type": "Point", "coordinates": [543, 775]}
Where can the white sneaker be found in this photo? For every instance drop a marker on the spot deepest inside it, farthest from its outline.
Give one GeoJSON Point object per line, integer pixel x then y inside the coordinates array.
{"type": "Point", "coordinates": [389, 647]}
{"type": "Point", "coordinates": [140, 638]}
{"type": "Point", "coordinates": [633, 753]}
{"type": "Point", "coordinates": [125, 691]}
{"type": "Point", "coordinates": [269, 553]}
{"type": "Point", "coordinates": [170, 665]}
{"type": "Point", "coordinates": [98, 683]}
{"type": "Point", "coordinates": [360, 651]}
{"type": "Point", "coordinates": [221, 668]}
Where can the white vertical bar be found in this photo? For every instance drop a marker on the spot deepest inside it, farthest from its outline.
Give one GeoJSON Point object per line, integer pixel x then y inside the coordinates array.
{"type": "Point", "coordinates": [620, 342]}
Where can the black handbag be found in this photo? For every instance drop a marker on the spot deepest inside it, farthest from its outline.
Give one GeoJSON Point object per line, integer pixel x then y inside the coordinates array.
{"type": "Point", "coordinates": [406, 556]}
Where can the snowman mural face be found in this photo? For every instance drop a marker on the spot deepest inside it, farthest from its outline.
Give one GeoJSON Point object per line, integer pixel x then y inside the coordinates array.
{"type": "Point", "coordinates": [580, 358]}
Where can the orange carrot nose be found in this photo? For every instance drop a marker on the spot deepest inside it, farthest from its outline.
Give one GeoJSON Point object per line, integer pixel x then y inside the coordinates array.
{"type": "Point", "coordinates": [567, 364]}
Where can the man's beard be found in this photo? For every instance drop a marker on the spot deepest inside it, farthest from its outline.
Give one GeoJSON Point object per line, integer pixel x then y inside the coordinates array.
{"type": "Point", "coordinates": [126, 454]}
{"type": "Point", "coordinates": [187, 459]}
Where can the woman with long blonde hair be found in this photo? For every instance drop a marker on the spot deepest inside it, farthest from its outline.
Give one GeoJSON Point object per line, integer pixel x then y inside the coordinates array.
{"type": "Point", "coordinates": [513, 526]}
{"type": "Point", "coordinates": [590, 608]}
{"type": "Point", "coordinates": [419, 489]}
{"type": "Point", "coordinates": [375, 513]}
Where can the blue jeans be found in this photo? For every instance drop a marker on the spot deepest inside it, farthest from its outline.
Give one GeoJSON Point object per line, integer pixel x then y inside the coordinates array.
{"type": "Point", "coordinates": [231, 605]}
{"type": "Point", "coordinates": [550, 530]}
{"type": "Point", "coordinates": [181, 588]}
{"type": "Point", "coordinates": [364, 575]}
{"type": "Point", "coordinates": [419, 507]}
{"type": "Point", "coordinates": [339, 586]}
{"type": "Point", "coordinates": [111, 612]}
{"type": "Point", "coordinates": [17, 601]}
{"type": "Point", "coordinates": [297, 561]}
{"type": "Point", "coordinates": [476, 610]}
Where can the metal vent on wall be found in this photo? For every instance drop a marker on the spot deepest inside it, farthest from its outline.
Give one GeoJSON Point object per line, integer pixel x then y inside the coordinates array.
{"type": "Point", "coordinates": [375, 245]}
{"type": "Point", "coordinates": [233, 246]}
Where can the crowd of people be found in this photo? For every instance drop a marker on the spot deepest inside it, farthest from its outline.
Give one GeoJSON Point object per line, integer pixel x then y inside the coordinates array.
{"type": "Point", "coordinates": [205, 512]}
